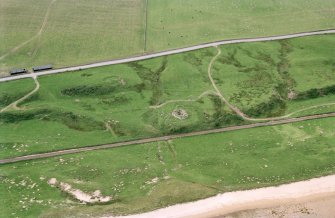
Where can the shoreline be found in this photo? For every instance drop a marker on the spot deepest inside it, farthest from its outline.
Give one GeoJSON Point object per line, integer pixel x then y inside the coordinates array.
{"type": "Point", "coordinates": [261, 198]}
{"type": "Point", "coordinates": [322, 207]}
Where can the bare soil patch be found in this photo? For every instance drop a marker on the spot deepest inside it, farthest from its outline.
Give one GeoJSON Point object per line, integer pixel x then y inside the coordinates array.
{"type": "Point", "coordinates": [180, 114]}
{"type": "Point", "coordinates": [94, 197]}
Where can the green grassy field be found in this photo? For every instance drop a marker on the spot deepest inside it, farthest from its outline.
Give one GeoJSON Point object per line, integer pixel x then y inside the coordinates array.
{"type": "Point", "coordinates": [185, 169]}
{"type": "Point", "coordinates": [14, 90]}
{"type": "Point", "coordinates": [113, 103]}
{"type": "Point", "coordinates": [72, 32]}
{"type": "Point", "coordinates": [277, 78]}
{"type": "Point", "coordinates": [75, 32]}
{"type": "Point", "coordinates": [136, 100]}
{"type": "Point", "coordinates": [196, 21]}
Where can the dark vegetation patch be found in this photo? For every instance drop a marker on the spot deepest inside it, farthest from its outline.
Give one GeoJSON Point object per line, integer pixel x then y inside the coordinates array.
{"type": "Point", "coordinates": [231, 59]}
{"type": "Point", "coordinates": [315, 93]}
{"type": "Point", "coordinates": [260, 56]}
{"type": "Point", "coordinates": [71, 120]}
{"type": "Point", "coordinates": [256, 68]}
{"type": "Point", "coordinates": [8, 98]}
{"type": "Point", "coordinates": [120, 98]}
{"type": "Point", "coordinates": [197, 59]}
{"type": "Point", "coordinates": [283, 68]}
{"type": "Point", "coordinates": [265, 58]}
{"type": "Point", "coordinates": [221, 117]}
{"type": "Point", "coordinates": [274, 107]}
{"type": "Point", "coordinates": [90, 90]}
{"type": "Point", "coordinates": [86, 74]}
{"type": "Point", "coordinates": [151, 79]}
{"type": "Point", "coordinates": [33, 97]}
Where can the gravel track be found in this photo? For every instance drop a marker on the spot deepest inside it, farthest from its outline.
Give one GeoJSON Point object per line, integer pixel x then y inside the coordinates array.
{"type": "Point", "coordinates": [169, 52]}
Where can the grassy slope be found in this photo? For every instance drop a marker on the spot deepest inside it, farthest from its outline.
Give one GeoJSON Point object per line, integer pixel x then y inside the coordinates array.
{"type": "Point", "coordinates": [204, 21]}
{"type": "Point", "coordinates": [119, 96]}
{"type": "Point", "coordinates": [12, 91]}
{"type": "Point", "coordinates": [66, 114]}
{"type": "Point", "coordinates": [77, 32]}
{"type": "Point", "coordinates": [80, 32]}
{"type": "Point", "coordinates": [252, 74]}
{"type": "Point", "coordinates": [188, 169]}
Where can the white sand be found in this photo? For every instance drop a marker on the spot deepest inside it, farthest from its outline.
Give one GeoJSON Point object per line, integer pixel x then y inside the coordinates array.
{"type": "Point", "coordinates": [84, 197]}
{"type": "Point", "coordinates": [231, 202]}
{"type": "Point", "coordinates": [316, 208]}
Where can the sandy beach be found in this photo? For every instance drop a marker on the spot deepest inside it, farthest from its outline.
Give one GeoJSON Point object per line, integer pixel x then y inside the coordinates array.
{"type": "Point", "coordinates": [317, 208]}
{"type": "Point", "coordinates": [309, 192]}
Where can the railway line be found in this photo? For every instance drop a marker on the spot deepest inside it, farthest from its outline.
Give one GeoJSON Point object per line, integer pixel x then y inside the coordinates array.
{"type": "Point", "coordinates": [164, 138]}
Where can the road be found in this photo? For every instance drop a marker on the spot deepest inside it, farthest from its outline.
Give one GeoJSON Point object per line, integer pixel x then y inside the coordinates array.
{"type": "Point", "coordinates": [170, 52]}
{"type": "Point", "coordinates": [164, 138]}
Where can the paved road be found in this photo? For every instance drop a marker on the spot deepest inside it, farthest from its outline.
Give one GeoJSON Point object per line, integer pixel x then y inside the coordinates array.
{"type": "Point", "coordinates": [164, 138]}
{"type": "Point", "coordinates": [170, 52]}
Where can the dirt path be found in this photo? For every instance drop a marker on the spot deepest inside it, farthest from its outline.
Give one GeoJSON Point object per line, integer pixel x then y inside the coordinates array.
{"type": "Point", "coordinates": [110, 129]}
{"type": "Point", "coordinates": [164, 138]}
{"type": "Point", "coordinates": [308, 108]}
{"type": "Point", "coordinates": [15, 103]}
{"type": "Point", "coordinates": [39, 33]}
{"type": "Point", "coordinates": [209, 92]}
{"type": "Point", "coordinates": [238, 111]}
{"type": "Point", "coordinates": [232, 107]}
{"type": "Point", "coordinates": [231, 202]}
{"type": "Point", "coordinates": [171, 52]}
{"type": "Point", "coordinates": [218, 92]}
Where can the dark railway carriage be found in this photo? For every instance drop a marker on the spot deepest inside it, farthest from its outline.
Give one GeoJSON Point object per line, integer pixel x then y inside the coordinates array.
{"type": "Point", "coordinates": [42, 68]}
{"type": "Point", "coordinates": [17, 71]}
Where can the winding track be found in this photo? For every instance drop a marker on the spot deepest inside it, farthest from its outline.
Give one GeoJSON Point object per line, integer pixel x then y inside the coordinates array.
{"type": "Point", "coordinates": [164, 138]}
{"type": "Point", "coordinates": [15, 103]}
{"type": "Point", "coordinates": [237, 110]}
{"type": "Point", "coordinates": [37, 36]}
{"type": "Point", "coordinates": [209, 92]}
{"type": "Point", "coordinates": [170, 52]}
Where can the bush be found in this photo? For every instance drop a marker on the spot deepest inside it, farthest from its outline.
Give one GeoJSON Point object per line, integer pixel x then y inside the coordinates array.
{"type": "Point", "coordinates": [71, 120]}
{"type": "Point", "coordinates": [274, 107]}
{"type": "Point", "coordinates": [84, 90]}
{"type": "Point", "coordinates": [315, 93]}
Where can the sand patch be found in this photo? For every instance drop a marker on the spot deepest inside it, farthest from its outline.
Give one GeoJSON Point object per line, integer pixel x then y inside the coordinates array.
{"type": "Point", "coordinates": [95, 197]}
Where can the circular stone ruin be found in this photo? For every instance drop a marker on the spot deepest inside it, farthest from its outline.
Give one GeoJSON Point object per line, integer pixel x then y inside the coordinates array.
{"type": "Point", "coordinates": [180, 114]}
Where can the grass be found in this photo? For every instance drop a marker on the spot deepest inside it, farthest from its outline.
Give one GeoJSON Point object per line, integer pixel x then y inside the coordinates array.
{"type": "Point", "coordinates": [277, 77]}
{"type": "Point", "coordinates": [76, 32]}
{"type": "Point", "coordinates": [79, 32]}
{"type": "Point", "coordinates": [195, 21]}
{"type": "Point", "coordinates": [187, 169]}
{"type": "Point", "coordinates": [113, 103]}
{"type": "Point", "coordinates": [12, 91]}
{"type": "Point", "coordinates": [136, 100]}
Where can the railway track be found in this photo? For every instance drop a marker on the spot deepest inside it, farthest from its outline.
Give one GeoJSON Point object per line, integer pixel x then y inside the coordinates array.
{"type": "Point", "coordinates": [164, 138]}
